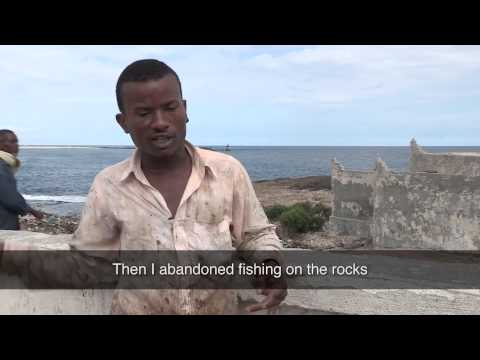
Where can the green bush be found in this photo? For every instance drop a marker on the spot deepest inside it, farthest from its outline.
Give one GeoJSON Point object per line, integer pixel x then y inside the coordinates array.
{"type": "Point", "coordinates": [274, 212]}
{"type": "Point", "coordinates": [296, 219]}
{"type": "Point", "coordinates": [301, 217]}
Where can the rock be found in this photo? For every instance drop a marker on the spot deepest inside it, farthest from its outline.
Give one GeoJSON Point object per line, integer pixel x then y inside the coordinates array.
{"type": "Point", "coordinates": [50, 224]}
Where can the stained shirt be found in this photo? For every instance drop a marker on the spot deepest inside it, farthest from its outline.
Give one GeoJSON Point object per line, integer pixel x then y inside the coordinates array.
{"type": "Point", "coordinates": [219, 210]}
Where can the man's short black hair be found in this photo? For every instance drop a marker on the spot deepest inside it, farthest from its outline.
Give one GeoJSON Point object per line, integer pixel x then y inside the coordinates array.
{"type": "Point", "coordinates": [4, 132]}
{"type": "Point", "coordinates": [143, 70]}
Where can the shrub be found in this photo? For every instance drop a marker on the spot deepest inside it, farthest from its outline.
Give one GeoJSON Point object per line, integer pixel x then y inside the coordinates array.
{"type": "Point", "coordinates": [295, 219]}
{"type": "Point", "coordinates": [301, 217]}
{"type": "Point", "coordinates": [274, 212]}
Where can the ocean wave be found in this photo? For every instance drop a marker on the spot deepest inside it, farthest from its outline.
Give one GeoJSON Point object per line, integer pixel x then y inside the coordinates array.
{"type": "Point", "coordinates": [128, 147]}
{"type": "Point", "coordinates": [56, 147]}
{"type": "Point", "coordinates": [63, 198]}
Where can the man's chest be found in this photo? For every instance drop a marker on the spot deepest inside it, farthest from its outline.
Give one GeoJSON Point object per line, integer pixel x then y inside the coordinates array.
{"type": "Point", "coordinates": [202, 220]}
{"type": "Point", "coordinates": [171, 189]}
{"type": "Point", "coordinates": [171, 186]}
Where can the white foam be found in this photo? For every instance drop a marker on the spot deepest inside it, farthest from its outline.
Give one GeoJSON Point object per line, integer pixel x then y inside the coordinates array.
{"type": "Point", "coordinates": [55, 147]}
{"type": "Point", "coordinates": [66, 198]}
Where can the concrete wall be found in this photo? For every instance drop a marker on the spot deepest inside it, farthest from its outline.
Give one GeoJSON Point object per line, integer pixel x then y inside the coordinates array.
{"type": "Point", "coordinates": [407, 210]}
{"type": "Point", "coordinates": [467, 164]}
{"type": "Point", "coordinates": [426, 211]}
{"type": "Point", "coordinates": [49, 302]}
{"type": "Point", "coordinates": [305, 302]}
{"type": "Point", "coordinates": [55, 302]}
{"type": "Point", "coordinates": [352, 208]}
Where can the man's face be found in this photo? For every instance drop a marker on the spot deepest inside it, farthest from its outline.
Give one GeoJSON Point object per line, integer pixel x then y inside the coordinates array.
{"type": "Point", "coordinates": [154, 116]}
{"type": "Point", "coordinates": [9, 143]}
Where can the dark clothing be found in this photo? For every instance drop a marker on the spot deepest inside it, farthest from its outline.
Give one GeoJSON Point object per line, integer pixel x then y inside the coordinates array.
{"type": "Point", "coordinates": [12, 202]}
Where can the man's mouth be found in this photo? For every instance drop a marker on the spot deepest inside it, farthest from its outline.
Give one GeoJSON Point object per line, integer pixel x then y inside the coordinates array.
{"type": "Point", "coordinates": [162, 141]}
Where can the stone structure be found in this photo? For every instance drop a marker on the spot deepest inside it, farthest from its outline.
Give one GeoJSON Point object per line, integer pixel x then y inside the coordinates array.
{"type": "Point", "coordinates": [466, 164]}
{"type": "Point", "coordinates": [353, 201]}
{"type": "Point", "coordinates": [435, 206]}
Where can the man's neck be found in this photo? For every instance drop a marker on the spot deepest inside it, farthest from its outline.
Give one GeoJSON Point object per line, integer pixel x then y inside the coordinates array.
{"type": "Point", "coordinates": [159, 166]}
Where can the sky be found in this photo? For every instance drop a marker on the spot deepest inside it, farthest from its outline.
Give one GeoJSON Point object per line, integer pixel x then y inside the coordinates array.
{"type": "Point", "coordinates": [253, 95]}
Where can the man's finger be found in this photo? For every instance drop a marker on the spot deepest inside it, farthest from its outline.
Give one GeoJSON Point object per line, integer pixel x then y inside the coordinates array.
{"type": "Point", "coordinates": [257, 307]}
{"type": "Point", "coordinates": [267, 303]}
{"type": "Point", "coordinates": [274, 310]}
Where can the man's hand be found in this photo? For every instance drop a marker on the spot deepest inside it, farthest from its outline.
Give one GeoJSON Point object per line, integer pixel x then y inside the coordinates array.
{"type": "Point", "coordinates": [275, 290]}
{"type": "Point", "coordinates": [38, 214]}
{"type": "Point", "coordinates": [274, 297]}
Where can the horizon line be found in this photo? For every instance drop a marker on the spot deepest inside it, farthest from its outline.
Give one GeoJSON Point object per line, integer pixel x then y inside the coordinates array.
{"type": "Point", "coordinates": [230, 146]}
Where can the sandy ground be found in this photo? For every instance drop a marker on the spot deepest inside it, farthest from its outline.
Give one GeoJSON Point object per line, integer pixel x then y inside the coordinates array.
{"type": "Point", "coordinates": [315, 189]}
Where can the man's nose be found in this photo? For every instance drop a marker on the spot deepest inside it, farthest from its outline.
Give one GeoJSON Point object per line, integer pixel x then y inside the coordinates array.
{"type": "Point", "coordinates": [159, 121]}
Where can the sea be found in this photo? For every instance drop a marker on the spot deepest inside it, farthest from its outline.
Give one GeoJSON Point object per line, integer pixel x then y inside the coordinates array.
{"type": "Point", "coordinates": [56, 179]}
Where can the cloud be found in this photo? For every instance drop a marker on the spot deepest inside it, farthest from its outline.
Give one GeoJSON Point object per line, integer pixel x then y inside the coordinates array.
{"type": "Point", "coordinates": [312, 75]}
{"type": "Point", "coordinates": [360, 72]}
{"type": "Point", "coordinates": [67, 85]}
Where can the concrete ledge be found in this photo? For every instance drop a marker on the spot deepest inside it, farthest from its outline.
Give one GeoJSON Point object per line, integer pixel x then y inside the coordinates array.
{"type": "Point", "coordinates": [381, 302]}
{"type": "Point", "coordinates": [49, 302]}
{"type": "Point", "coordinates": [55, 302]}
{"type": "Point", "coordinates": [89, 302]}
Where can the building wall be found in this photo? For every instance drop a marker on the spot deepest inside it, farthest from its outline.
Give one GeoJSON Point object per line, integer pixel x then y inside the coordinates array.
{"type": "Point", "coordinates": [467, 164]}
{"type": "Point", "coordinates": [407, 210]}
{"type": "Point", "coordinates": [426, 211]}
{"type": "Point", "coordinates": [352, 208]}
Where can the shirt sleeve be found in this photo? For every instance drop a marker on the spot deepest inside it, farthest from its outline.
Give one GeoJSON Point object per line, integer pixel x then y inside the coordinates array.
{"type": "Point", "coordinates": [10, 198]}
{"type": "Point", "coordinates": [251, 228]}
{"type": "Point", "coordinates": [98, 228]}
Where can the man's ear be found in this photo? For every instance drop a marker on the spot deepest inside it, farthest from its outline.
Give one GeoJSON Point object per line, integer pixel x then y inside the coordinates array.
{"type": "Point", "coordinates": [185, 106]}
{"type": "Point", "coordinates": [122, 122]}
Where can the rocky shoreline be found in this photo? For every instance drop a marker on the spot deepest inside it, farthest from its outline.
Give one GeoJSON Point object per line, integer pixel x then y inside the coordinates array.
{"type": "Point", "coordinates": [50, 224]}
{"type": "Point", "coordinates": [286, 192]}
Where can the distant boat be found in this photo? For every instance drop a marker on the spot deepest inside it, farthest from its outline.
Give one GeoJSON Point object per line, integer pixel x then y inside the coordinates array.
{"type": "Point", "coordinates": [227, 148]}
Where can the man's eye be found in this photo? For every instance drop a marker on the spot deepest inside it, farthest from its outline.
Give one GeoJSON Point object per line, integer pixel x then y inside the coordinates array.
{"type": "Point", "coordinates": [143, 114]}
{"type": "Point", "coordinates": [172, 107]}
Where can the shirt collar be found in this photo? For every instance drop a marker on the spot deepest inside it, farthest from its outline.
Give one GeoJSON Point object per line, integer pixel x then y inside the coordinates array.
{"type": "Point", "coordinates": [199, 164]}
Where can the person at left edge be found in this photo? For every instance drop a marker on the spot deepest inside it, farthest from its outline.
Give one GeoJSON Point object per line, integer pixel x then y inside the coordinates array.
{"type": "Point", "coordinates": [12, 203]}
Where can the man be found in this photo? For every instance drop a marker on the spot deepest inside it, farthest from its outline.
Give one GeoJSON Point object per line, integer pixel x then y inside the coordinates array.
{"type": "Point", "coordinates": [171, 195]}
{"type": "Point", "coordinates": [12, 203]}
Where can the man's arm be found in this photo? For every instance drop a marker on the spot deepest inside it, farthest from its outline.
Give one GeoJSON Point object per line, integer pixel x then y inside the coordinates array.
{"type": "Point", "coordinates": [10, 198]}
{"type": "Point", "coordinates": [98, 228]}
{"type": "Point", "coordinates": [251, 227]}
{"type": "Point", "coordinates": [253, 232]}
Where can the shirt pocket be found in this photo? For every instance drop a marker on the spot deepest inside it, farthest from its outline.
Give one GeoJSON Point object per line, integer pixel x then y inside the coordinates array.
{"type": "Point", "coordinates": [209, 209]}
{"type": "Point", "coordinates": [211, 236]}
